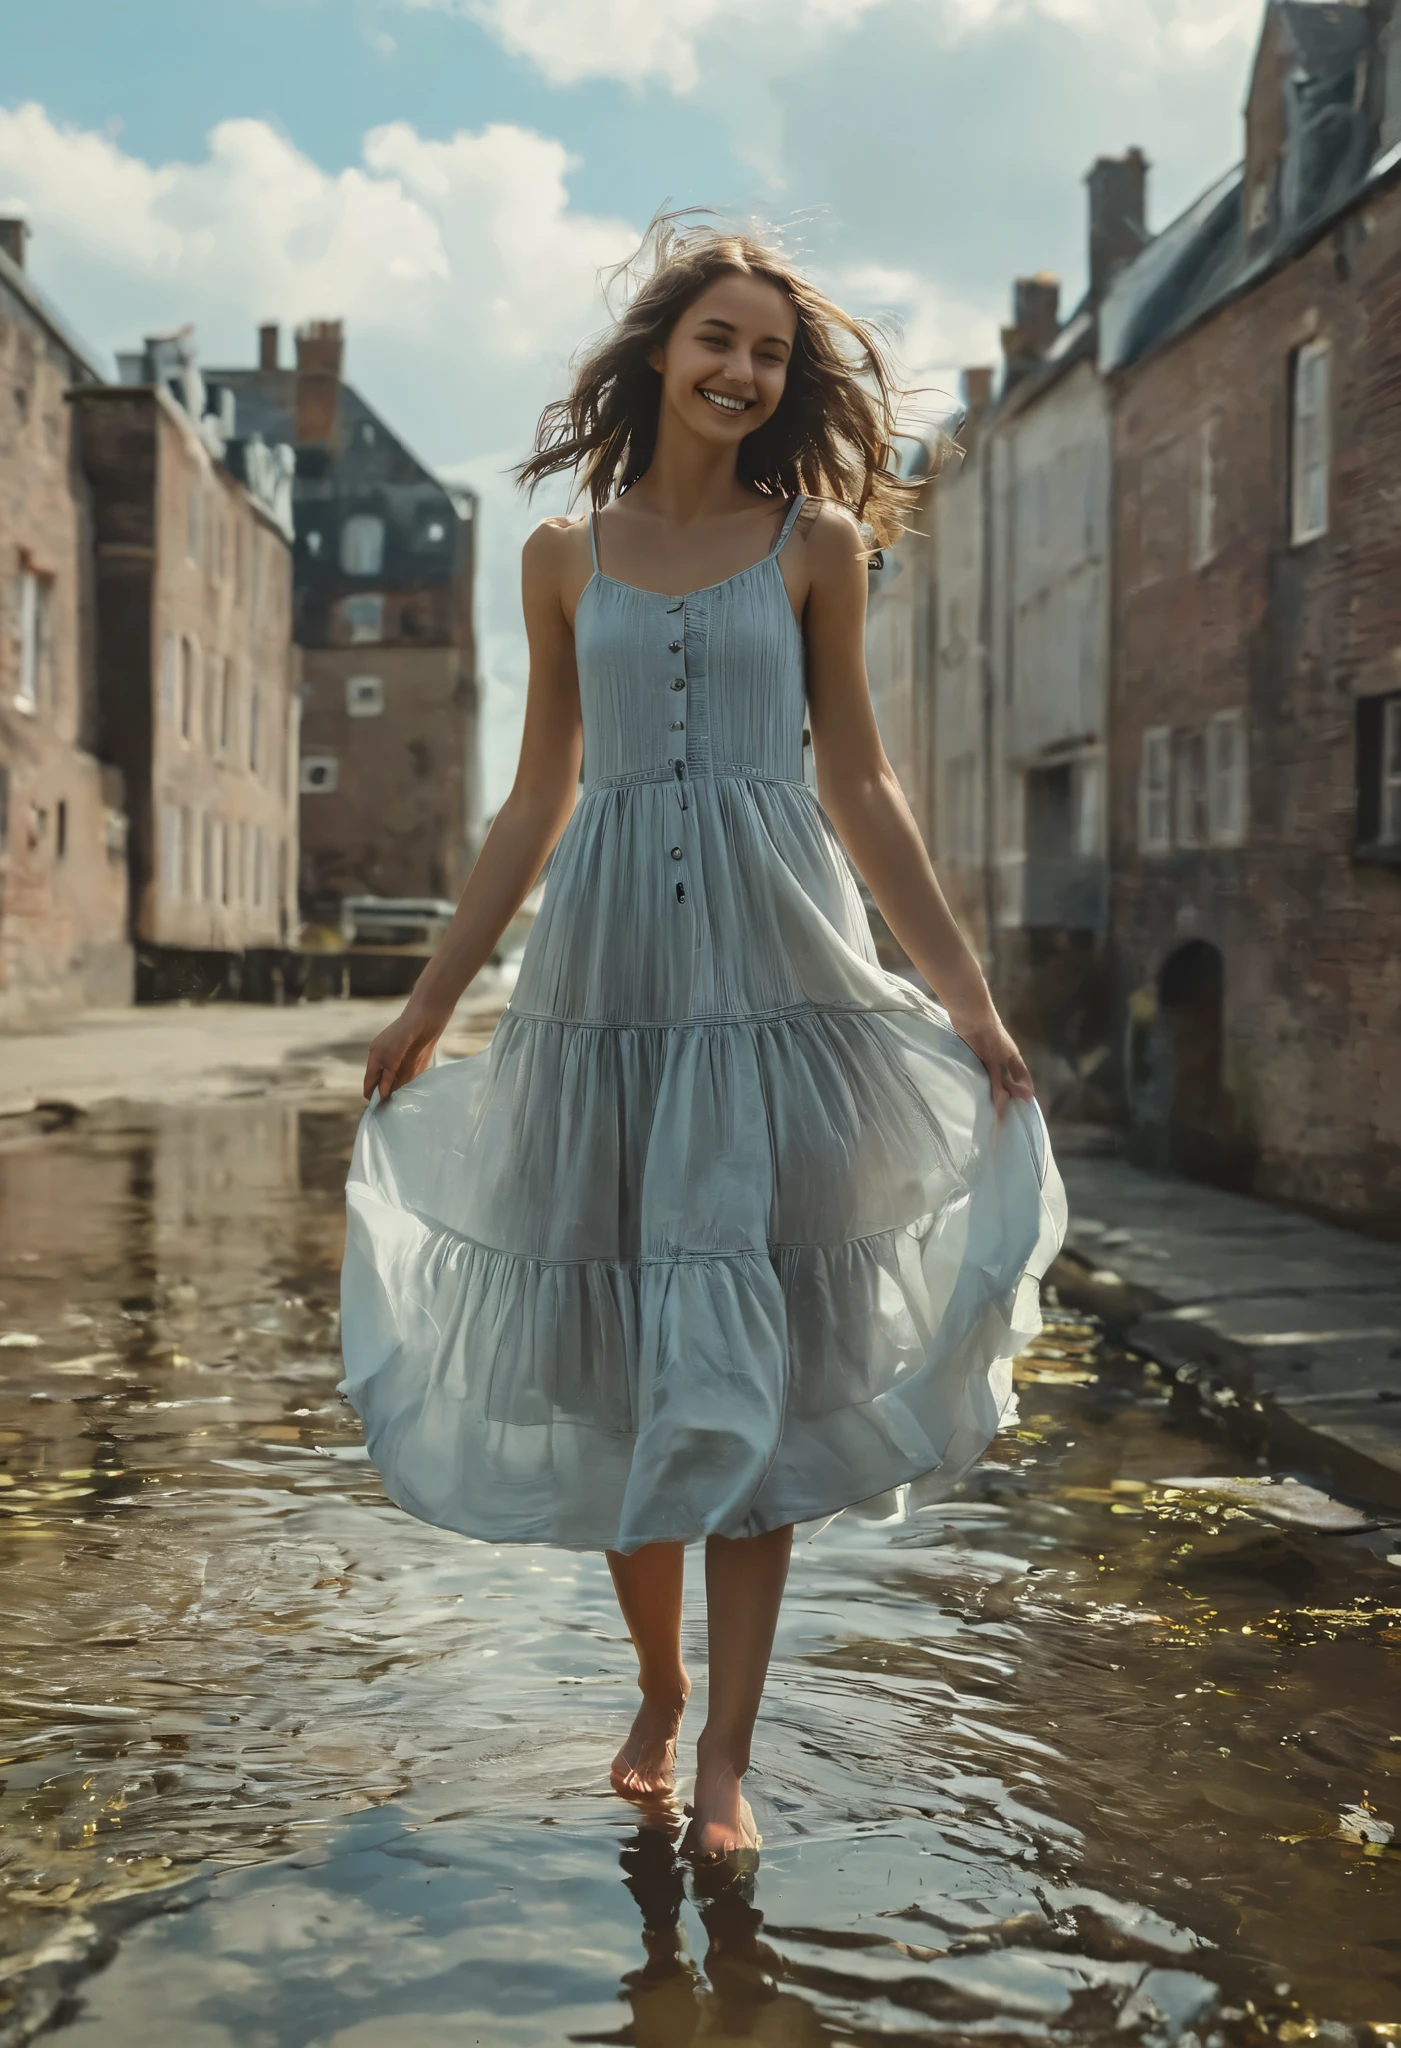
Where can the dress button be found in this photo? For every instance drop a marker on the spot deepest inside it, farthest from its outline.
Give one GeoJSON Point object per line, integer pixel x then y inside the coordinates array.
{"type": "Point", "coordinates": [676, 853]}
{"type": "Point", "coordinates": [674, 646]}
{"type": "Point", "coordinates": [679, 683]}
{"type": "Point", "coordinates": [678, 725]}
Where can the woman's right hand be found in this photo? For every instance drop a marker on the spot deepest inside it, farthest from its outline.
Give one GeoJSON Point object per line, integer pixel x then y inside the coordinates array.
{"type": "Point", "coordinates": [403, 1049]}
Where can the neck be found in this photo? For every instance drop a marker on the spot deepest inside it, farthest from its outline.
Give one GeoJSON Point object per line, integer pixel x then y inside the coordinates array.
{"type": "Point", "coordinates": [689, 479]}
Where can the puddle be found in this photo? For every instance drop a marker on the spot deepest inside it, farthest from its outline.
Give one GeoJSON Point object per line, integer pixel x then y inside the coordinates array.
{"type": "Point", "coordinates": [1091, 1753]}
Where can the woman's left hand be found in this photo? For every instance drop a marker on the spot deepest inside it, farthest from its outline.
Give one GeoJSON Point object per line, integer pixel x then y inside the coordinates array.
{"type": "Point", "coordinates": [983, 1030]}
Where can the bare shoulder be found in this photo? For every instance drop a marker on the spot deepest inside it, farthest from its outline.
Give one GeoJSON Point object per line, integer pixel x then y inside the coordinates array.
{"type": "Point", "coordinates": [833, 545]}
{"type": "Point", "coordinates": [552, 552]}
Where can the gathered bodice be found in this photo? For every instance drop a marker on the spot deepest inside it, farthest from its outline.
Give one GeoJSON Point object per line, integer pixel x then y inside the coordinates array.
{"type": "Point", "coordinates": [681, 688]}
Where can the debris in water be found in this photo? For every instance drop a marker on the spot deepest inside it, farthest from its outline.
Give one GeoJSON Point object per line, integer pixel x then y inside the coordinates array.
{"type": "Point", "coordinates": [1283, 1500]}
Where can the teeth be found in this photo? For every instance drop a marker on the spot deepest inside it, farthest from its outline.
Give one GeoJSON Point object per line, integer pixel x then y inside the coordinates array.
{"type": "Point", "coordinates": [726, 404]}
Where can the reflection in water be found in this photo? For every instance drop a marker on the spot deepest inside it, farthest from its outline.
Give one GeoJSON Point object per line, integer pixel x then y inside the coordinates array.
{"type": "Point", "coordinates": [1079, 1756]}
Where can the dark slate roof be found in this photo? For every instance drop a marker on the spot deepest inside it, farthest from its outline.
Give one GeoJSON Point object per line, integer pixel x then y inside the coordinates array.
{"type": "Point", "coordinates": [1209, 255]}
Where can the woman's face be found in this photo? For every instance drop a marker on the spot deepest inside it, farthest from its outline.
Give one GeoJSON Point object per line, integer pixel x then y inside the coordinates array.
{"type": "Point", "coordinates": [725, 362]}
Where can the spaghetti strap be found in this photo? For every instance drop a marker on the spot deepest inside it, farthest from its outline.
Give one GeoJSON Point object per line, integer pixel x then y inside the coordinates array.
{"type": "Point", "coordinates": [790, 520]}
{"type": "Point", "coordinates": [593, 542]}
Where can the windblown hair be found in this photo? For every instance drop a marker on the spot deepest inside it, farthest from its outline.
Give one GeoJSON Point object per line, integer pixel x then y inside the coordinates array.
{"type": "Point", "coordinates": [833, 435]}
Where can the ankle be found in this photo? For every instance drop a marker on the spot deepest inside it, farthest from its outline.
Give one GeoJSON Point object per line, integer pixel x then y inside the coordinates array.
{"type": "Point", "coordinates": [668, 1695]}
{"type": "Point", "coordinates": [720, 1753]}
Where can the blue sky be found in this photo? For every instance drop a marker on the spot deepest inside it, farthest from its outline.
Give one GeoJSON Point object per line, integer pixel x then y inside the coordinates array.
{"type": "Point", "coordinates": [448, 176]}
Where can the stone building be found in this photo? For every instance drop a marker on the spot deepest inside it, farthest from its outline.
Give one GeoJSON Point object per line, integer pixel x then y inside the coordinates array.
{"type": "Point", "coordinates": [1008, 689]}
{"type": "Point", "coordinates": [63, 887]}
{"type": "Point", "coordinates": [390, 802]}
{"type": "Point", "coordinates": [1255, 764]}
{"type": "Point", "coordinates": [192, 627]}
{"type": "Point", "coordinates": [900, 649]}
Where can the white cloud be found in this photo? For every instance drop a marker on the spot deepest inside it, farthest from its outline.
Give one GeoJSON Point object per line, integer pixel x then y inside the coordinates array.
{"type": "Point", "coordinates": [644, 42]}
{"type": "Point", "coordinates": [464, 275]}
{"type": "Point", "coordinates": [639, 41]}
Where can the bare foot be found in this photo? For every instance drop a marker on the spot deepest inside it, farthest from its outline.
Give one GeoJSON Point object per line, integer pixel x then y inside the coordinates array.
{"type": "Point", "coordinates": [722, 1825]}
{"type": "Point", "coordinates": [645, 1766]}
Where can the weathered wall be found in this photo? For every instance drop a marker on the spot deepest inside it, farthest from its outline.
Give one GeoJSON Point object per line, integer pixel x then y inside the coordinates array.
{"type": "Point", "coordinates": [63, 897]}
{"type": "Point", "coordinates": [1216, 611]}
{"type": "Point", "coordinates": [960, 741]}
{"type": "Point", "coordinates": [198, 677]}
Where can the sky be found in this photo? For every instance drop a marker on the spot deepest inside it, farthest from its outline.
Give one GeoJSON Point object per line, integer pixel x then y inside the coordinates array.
{"type": "Point", "coordinates": [449, 177]}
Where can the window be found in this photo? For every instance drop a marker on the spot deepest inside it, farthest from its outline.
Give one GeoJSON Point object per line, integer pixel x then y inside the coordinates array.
{"type": "Point", "coordinates": [188, 659]}
{"type": "Point", "coordinates": [320, 774]}
{"type": "Point", "coordinates": [171, 862]}
{"type": "Point", "coordinates": [362, 545]}
{"type": "Point", "coordinates": [240, 562]}
{"type": "Point", "coordinates": [194, 507]}
{"type": "Point", "coordinates": [1204, 507]}
{"type": "Point", "coordinates": [187, 852]}
{"type": "Point", "coordinates": [170, 663]}
{"type": "Point", "coordinates": [1379, 775]}
{"type": "Point", "coordinates": [1190, 825]}
{"type": "Point", "coordinates": [4, 810]}
{"type": "Point", "coordinates": [212, 668]}
{"type": "Point", "coordinates": [364, 620]}
{"type": "Point", "coordinates": [259, 863]}
{"type": "Point", "coordinates": [241, 873]}
{"type": "Point", "coordinates": [225, 704]}
{"type": "Point", "coordinates": [61, 829]}
{"type": "Point", "coordinates": [364, 696]}
{"type": "Point", "coordinates": [206, 858]}
{"type": "Point", "coordinates": [1226, 773]}
{"type": "Point", "coordinates": [223, 860]}
{"type": "Point", "coordinates": [255, 720]}
{"type": "Point", "coordinates": [1089, 807]}
{"type": "Point", "coordinates": [1154, 785]}
{"type": "Point", "coordinates": [33, 637]}
{"type": "Point", "coordinates": [1310, 443]}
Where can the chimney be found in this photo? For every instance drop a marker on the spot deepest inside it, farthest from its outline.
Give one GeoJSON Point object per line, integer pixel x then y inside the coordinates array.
{"type": "Point", "coordinates": [1035, 324]}
{"type": "Point", "coordinates": [320, 352]}
{"type": "Point", "coordinates": [268, 338]}
{"type": "Point", "coordinates": [14, 233]}
{"type": "Point", "coordinates": [977, 389]}
{"type": "Point", "coordinates": [1118, 188]}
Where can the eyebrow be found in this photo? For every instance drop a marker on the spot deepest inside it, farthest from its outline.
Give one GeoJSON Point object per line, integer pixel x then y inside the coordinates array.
{"type": "Point", "coordinates": [714, 320]}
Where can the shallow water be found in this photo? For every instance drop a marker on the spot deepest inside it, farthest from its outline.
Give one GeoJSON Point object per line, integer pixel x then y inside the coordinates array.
{"type": "Point", "coordinates": [1077, 1757]}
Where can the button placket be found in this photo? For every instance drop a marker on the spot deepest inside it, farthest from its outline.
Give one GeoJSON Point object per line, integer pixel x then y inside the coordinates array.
{"type": "Point", "coordinates": [678, 764]}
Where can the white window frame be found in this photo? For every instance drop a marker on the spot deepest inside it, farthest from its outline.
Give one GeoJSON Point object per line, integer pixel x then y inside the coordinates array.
{"type": "Point", "coordinates": [1155, 790]}
{"type": "Point", "coordinates": [1191, 790]}
{"type": "Point", "coordinates": [362, 540]}
{"type": "Point", "coordinates": [188, 694]}
{"type": "Point", "coordinates": [1228, 779]}
{"type": "Point", "coordinates": [364, 696]}
{"type": "Point", "coordinates": [33, 636]}
{"type": "Point", "coordinates": [1389, 776]}
{"type": "Point", "coordinates": [320, 774]}
{"type": "Point", "coordinates": [1310, 442]}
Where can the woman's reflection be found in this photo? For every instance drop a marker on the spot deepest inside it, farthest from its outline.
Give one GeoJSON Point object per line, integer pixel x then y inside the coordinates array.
{"type": "Point", "coordinates": [733, 1995]}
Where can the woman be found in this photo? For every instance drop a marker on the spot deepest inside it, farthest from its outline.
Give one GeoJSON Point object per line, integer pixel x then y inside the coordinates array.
{"type": "Point", "coordinates": [729, 1228]}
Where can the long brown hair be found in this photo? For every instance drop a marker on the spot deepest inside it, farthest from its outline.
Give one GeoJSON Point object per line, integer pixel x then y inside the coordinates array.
{"type": "Point", "coordinates": [833, 435]}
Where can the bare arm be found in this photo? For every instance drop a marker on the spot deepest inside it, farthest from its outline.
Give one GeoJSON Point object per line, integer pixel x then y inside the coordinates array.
{"type": "Point", "coordinates": [864, 800]}
{"type": "Point", "coordinates": [522, 834]}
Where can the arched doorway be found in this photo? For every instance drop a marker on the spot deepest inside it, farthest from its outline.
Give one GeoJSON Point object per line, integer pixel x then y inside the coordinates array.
{"type": "Point", "coordinates": [1202, 1138]}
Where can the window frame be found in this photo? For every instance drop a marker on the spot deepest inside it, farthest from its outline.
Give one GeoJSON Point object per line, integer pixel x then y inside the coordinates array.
{"type": "Point", "coordinates": [1156, 743]}
{"type": "Point", "coordinates": [1223, 829]}
{"type": "Point", "coordinates": [1310, 439]}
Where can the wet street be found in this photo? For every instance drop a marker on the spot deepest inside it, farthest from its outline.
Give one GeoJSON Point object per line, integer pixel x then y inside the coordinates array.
{"type": "Point", "coordinates": [1082, 1755]}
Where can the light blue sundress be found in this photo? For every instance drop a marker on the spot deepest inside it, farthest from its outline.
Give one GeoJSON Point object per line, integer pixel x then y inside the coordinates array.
{"type": "Point", "coordinates": [720, 1232]}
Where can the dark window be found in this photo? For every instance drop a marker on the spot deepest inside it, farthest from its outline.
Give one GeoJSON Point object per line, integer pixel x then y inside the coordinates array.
{"type": "Point", "coordinates": [4, 811]}
{"type": "Point", "coordinates": [61, 828]}
{"type": "Point", "coordinates": [1379, 777]}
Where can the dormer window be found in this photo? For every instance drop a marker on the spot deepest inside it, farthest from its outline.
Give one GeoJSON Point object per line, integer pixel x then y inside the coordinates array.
{"type": "Point", "coordinates": [362, 545]}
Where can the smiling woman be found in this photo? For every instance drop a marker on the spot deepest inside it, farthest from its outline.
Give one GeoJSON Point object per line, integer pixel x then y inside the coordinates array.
{"type": "Point", "coordinates": [728, 1229]}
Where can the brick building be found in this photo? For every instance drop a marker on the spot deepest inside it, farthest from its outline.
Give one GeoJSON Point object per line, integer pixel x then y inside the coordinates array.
{"type": "Point", "coordinates": [63, 887]}
{"type": "Point", "coordinates": [196, 667]}
{"type": "Point", "coordinates": [1255, 815]}
{"type": "Point", "coordinates": [384, 586]}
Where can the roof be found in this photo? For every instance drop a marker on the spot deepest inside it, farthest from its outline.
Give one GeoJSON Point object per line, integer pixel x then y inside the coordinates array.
{"type": "Point", "coordinates": [1210, 253]}
{"type": "Point", "coordinates": [21, 285]}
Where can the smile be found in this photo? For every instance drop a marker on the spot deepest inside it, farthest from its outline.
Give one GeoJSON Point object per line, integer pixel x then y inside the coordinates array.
{"type": "Point", "coordinates": [724, 404]}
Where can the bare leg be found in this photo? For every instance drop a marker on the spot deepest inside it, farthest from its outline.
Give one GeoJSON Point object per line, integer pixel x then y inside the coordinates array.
{"type": "Point", "coordinates": [648, 1586]}
{"type": "Point", "coordinates": [744, 1582]}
